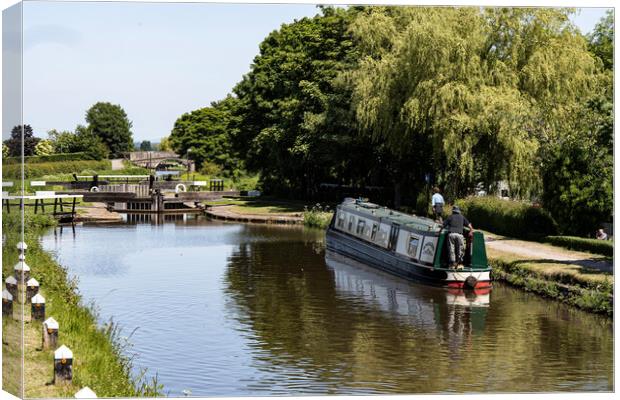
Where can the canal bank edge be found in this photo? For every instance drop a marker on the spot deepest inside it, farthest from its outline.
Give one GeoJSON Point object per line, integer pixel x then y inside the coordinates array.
{"type": "Point", "coordinates": [588, 297]}
{"type": "Point", "coordinates": [99, 362]}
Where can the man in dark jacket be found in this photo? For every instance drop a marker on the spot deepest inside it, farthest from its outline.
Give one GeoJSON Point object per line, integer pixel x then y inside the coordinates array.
{"type": "Point", "coordinates": [456, 242]}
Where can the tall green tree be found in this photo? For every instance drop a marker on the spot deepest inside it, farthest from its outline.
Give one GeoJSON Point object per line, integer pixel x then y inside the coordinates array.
{"type": "Point", "coordinates": [21, 134]}
{"type": "Point", "coordinates": [110, 123]}
{"type": "Point", "coordinates": [468, 92]}
{"type": "Point", "coordinates": [145, 145]}
{"type": "Point", "coordinates": [80, 141]}
{"type": "Point", "coordinates": [602, 40]}
{"type": "Point", "coordinates": [205, 135]}
{"type": "Point", "coordinates": [296, 126]}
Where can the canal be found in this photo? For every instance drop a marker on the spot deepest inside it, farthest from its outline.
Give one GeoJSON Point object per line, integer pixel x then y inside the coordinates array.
{"type": "Point", "coordinates": [252, 310]}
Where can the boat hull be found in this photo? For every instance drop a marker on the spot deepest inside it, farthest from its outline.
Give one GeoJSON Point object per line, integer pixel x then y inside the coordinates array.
{"type": "Point", "coordinates": [396, 264]}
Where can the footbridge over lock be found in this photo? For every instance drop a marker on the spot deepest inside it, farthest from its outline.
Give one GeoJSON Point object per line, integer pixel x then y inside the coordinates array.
{"type": "Point", "coordinates": [158, 159]}
{"type": "Point", "coordinates": [141, 193]}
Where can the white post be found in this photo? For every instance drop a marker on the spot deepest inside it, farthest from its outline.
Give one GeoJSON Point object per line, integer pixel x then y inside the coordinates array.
{"type": "Point", "coordinates": [7, 303]}
{"type": "Point", "coordinates": [32, 288]}
{"type": "Point", "coordinates": [85, 393]}
{"type": "Point", "coordinates": [38, 307]}
{"type": "Point", "coordinates": [50, 333]}
{"type": "Point", "coordinates": [63, 365]}
{"type": "Point", "coordinates": [11, 285]}
{"type": "Point", "coordinates": [22, 272]}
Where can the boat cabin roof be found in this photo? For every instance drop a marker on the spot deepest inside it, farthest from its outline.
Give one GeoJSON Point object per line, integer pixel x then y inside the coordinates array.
{"type": "Point", "coordinates": [376, 211]}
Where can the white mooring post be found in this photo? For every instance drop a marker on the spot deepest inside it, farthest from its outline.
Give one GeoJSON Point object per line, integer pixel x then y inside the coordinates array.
{"type": "Point", "coordinates": [22, 272]}
{"type": "Point", "coordinates": [38, 307]}
{"type": "Point", "coordinates": [63, 365]}
{"type": "Point", "coordinates": [22, 247]}
{"type": "Point", "coordinates": [11, 285]}
{"type": "Point", "coordinates": [85, 393]}
{"type": "Point", "coordinates": [7, 303]}
{"type": "Point", "coordinates": [32, 288]}
{"type": "Point", "coordinates": [50, 333]}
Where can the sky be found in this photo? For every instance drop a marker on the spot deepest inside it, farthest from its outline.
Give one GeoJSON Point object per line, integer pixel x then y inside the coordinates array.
{"type": "Point", "coordinates": [157, 60]}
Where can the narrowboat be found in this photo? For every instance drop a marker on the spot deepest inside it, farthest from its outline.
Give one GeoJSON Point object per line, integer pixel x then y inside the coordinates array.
{"type": "Point", "coordinates": [412, 247]}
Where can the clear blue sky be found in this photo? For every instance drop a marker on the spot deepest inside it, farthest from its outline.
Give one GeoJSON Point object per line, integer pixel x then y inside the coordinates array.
{"type": "Point", "coordinates": [157, 60]}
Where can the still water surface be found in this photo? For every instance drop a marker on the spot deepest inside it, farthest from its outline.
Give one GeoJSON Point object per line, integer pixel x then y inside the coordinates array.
{"type": "Point", "coordinates": [240, 310]}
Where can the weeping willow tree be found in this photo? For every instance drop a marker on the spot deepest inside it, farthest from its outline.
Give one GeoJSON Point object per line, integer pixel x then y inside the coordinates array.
{"type": "Point", "coordinates": [472, 94]}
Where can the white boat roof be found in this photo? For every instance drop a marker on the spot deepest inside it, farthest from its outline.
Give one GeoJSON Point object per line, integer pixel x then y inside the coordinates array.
{"type": "Point", "coordinates": [384, 213]}
{"type": "Point", "coordinates": [63, 352]}
{"type": "Point", "coordinates": [51, 323]}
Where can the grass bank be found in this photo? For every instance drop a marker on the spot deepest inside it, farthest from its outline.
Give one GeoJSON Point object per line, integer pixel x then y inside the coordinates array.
{"type": "Point", "coordinates": [100, 360]}
{"type": "Point", "coordinates": [586, 288]}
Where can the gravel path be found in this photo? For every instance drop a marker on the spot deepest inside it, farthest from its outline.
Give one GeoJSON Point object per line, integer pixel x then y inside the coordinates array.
{"type": "Point", "coordinates": [539, 251]}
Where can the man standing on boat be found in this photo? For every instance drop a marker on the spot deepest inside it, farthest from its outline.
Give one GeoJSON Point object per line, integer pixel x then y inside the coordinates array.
{"type": "Point", "coordinates": [456, 241]}
{"type": "Point", "coordinates": [437, 203]}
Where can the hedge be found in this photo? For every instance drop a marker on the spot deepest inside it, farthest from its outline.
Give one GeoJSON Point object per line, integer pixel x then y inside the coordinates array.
{"type": "Point", "coordinates": [49, 158]}
{"type": "Point", "coordinates": [506, 217]}
{"type": "Point", "coordinates": [603, 247]}
{"type": "Point", "coordinates": [50, 168]}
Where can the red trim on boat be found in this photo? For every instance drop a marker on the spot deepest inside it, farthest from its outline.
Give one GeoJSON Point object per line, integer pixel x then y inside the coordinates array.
{"type": "Point", "coordinates": [460, 284]}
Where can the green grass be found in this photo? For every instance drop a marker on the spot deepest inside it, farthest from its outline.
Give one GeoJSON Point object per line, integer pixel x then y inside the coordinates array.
{"type": "Point", "coordinates": [99, 360]}
{"type": "Point", "coordinates": [245, 182]}
{"type": "Point", "coordinates": [261, 206]}
{"type": "Point", "coordinates": [587, 289]}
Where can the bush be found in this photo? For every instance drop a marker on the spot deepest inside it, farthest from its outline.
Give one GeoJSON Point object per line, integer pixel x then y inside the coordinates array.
{"type": "Point", "coordinates": [35, 170]}
{"type": "Point", "coordinates": [603, 247]}
{"type": "Point", "coordinates": [50, 158]}
{"type": "Point", "coordinates": [506, 217]}
{"type": "Point", "coordinates": [317, 217]}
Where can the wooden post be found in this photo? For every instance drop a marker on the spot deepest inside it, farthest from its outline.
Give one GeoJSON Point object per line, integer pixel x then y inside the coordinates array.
{"type": "Point", "coordinates": [63, 365]}
{"type": "Point", "coordinates": [36, 205]}
{"type": "Point", "coordinates": [38, 307]}
{"type": "Point", "coordinates": [32, 288]}
{"type": "Point", "coordinates": [11, 285]}
{"type": "Point", "coordinates": [50, 333]}
{"type": "Point", "coordinates": [7, 303]}
{"type": "Point", "coordinates": [22, 272]}
{"type": "Point", "coordinates": [85, 393]}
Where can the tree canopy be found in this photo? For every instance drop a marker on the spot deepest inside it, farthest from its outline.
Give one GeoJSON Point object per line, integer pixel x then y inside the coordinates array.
{"type": "Point", "coordinates": [204, 135]}
{"type": "Point", "coordinates": [21, 134]}
{"type": "Point", "coordinates": [110, 123]}
{"type": "Point", "coordinates": [404, 97]}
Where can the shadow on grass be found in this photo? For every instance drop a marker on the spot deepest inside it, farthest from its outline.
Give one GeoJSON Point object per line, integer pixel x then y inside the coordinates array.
{"type": "Point", "coordinates": [590, 266]}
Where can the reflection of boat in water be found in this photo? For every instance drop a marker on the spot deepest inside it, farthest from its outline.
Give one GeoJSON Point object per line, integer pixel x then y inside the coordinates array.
{"type": "Point", "coordinates": [421, 304]}
{"type": "Point", "coordinates": [408, 246]}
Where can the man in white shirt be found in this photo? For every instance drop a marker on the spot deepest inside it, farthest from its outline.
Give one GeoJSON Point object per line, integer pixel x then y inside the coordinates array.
{"type": "Point", "coordinates": [437, 203]}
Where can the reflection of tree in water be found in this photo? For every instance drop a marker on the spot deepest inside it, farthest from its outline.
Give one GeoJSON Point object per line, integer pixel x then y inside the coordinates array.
{"type": "Point", "coordinates": [334, 330]}
{"type": "Point", "coordinates": [303, 320]}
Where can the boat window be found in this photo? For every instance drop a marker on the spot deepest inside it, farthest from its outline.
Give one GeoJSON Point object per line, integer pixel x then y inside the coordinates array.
{"type": "Point", "coordinates": [341, 220]}
{"type": "Point", "coordinates": [412, 249]}
{"type": "Point", "coordinates": [373, 234]}
{"type": "Point", "coordinates": [351, 218]}
{"type": "Point", "coordinates": [360, 227]}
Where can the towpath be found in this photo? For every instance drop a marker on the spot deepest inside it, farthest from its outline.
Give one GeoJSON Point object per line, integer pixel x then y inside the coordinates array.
{"type": "Point", "coordinates": [97, 212]}
{"type": "Point", "coordinates": [540, 251]}
{"type": "Point", "coordinates": [228, 212]}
